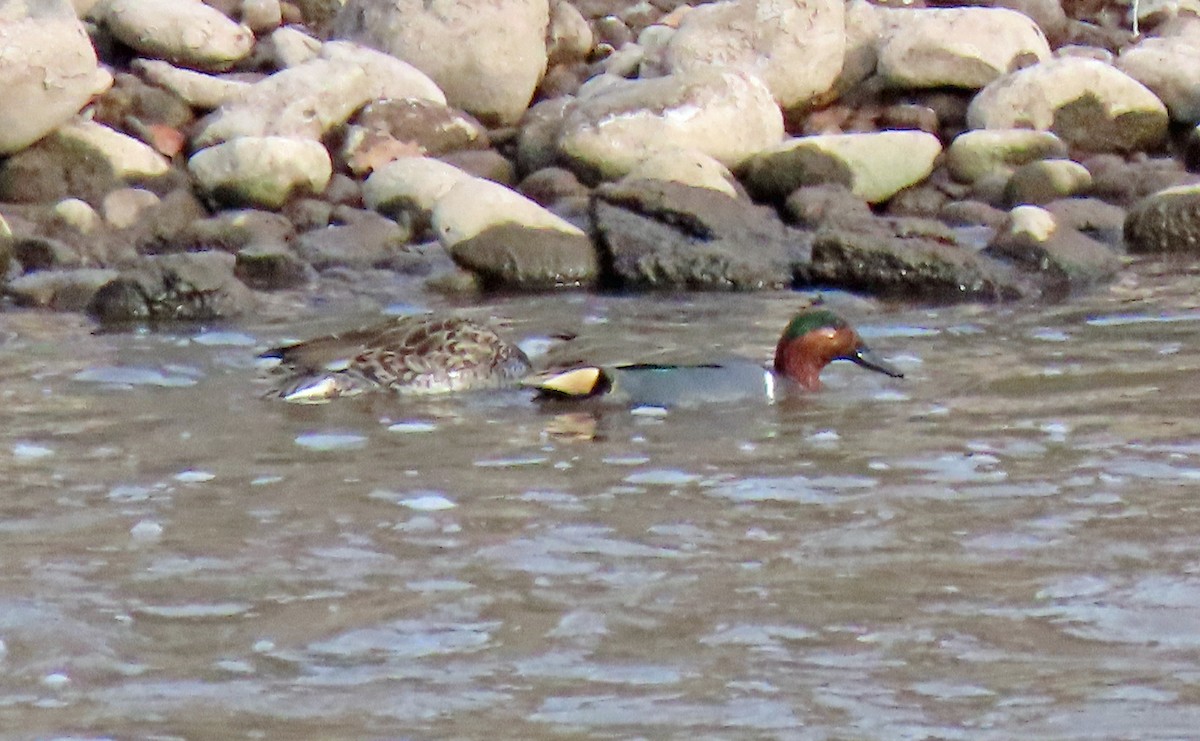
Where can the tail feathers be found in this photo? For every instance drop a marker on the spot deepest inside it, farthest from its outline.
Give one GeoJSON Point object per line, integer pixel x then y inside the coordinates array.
{"type": "Point", "coordinates": [577, 383]}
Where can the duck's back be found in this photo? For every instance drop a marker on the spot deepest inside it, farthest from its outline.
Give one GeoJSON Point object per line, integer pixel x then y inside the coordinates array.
{"type": "Point", "coordinates": [684, 385]}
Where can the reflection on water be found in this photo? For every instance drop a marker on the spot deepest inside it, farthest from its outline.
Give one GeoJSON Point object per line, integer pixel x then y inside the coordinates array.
{"type": "Point", "coordinates": [1005, 544]}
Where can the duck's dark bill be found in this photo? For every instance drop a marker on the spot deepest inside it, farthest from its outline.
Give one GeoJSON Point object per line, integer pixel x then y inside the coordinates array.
{"type": "Point", "coordinates": [869, 360]}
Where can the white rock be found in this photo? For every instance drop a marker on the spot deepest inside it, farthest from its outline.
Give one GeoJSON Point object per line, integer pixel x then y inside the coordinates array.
{"type": "Point", "coordinates": [956, 47]}
{"type": "Point", "coordinates": [186, 32]}
{"type": "Point", "coordinates": [1086, 102]}
{"type": "Point", "coordinates": [1168, 66]}
{"type": "Point", "coordinates": [795, 47]}
{"type": "Point", "coordinates": [410, 185]}
{"type": "Point", "coordinates": [729, 116]}
{"type": "Point", "coordinates": [487, 57]}
{"type": "Point", "coordinates": [261, 16]}
{"type": "Point", "coordinates": [77, 214]}
{"type": "Point", "coordinates": [289, 46]}
{"type": "Point", "coordinates": [875, 166]}
{"type": "Point", "coordinates": [689, 167]}
{"type": "Point", "coordinates": [974, 154]}
{"type": "Point", "coordinates": [48, 70]}
{"type": "Point", "coordinates": [128, 158]}
{"type": "Point", "coordinates": [197, 89]}
{"type": "Point", "coordinates": [472, 206]}
{"type": "Point", "coordinates": [389, 76]}
{"type": "Point", "coordinates": [122, 208]}
{"type": "Point", "coordinates": [261, 171]}
{"type": "Point", "coordinates": [304, 101]}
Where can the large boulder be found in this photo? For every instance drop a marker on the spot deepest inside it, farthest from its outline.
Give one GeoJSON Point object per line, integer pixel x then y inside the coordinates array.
{"type": "Point", "coordinates": [48, 70]}
{"type": "Point", "coordinates": [794, 46]}
{"type": "Point", "coordinates": [956, 47]}
{"type": "Point", "coordinates": [666, 235]}
{"type": "Point", "coordinates": [910, 259]}
{"type": "Point", "coordinates": [487, 57]}
{"type": "Point", "coordinates": [1088, 103]}
{"type": "Point", "coordinates": [729, 116]}
{"type": "Point", "coordinates": [875, 166]}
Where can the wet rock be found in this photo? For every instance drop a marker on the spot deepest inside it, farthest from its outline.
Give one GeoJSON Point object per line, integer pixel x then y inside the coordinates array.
{"type": "Point", "coordinates": [513, 256]}
{"type": "Point", "coordinates": [123, 208]}
{"type": "Point", "coordinates": [728, 116]}
{"type": "Point", "coordinates": [1089, 104]}
{"type": "Point", "coordinates": [875, 166]}
{"type": "Point", "coordinates": [974, 154]}
{"type": "Point", "coordinates": [795, 48]}
{"type": "Point", "coordinates": [188, 287]}
{"type": "Point", "coordinates": [190, 34]}
{"type": "Point", "coordinates": [1046, 180]}
{"type": "Point", "coordinates": [407, 189]}
{"type": "Point", "coordinates": [1168, 67]}
{"type": "Point", "coordinates": [59, 290]}
{"type": "Point", "coordinates": [51, 171]}
{"type": "Point", "coordinates": [488, 58]}
{"type": "Point", "coordinates": [665, 235]}
{"type": "Point", "coordinates": [956, 47]}
{"type": "Point", "coordinates": [387, 130]}
{"type": "Point", "coordinates": [1167, 221]}
{"type": "Point", "coordinates": [262, 171]}
{"type": "Point", "coordinates": [271, 267]}
{"type": "Point", "coordinates": [907, 259]}
{"type": "Point", "coordinates": [197, 89]}
{"type": "Point", "coordinates": [538, 134]}
{"type": "Point", "coordinates": [689, 167]}
{"type": "Point", "coordinates": [1065, 259]}
{"type": "Point", "coordinates": [510, 241]}
{"type": "Point", "coordinates": [366, 243]}
{"type": "Point", "coordinates": [232, 231]}
{"type": "Point", "coordinates": [813, 206]}
{"type": "Point", "coordinates": [48, 71]}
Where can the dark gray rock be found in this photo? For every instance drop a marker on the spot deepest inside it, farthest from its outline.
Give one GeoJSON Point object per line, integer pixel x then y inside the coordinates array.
{"type": "Point", "coordinates": [162, 227]}
{"type": "Point", "coordinates": [825, 205]}
{"type": "Point", "coordinates": [488, 164]}
{"type": "Point", "coordinates": [513, 256]}
{"type": "Point", "coordinates": [271, 267]}
{"type": "Point", "coordinates": [662, 234]}
{"type": "Point", "coordinates": [187, 287]}
{"type": "Point", "coordinates": [911, 259]}
{"type": "Point", "coordinates": [370, 241]}
{"type": "Point", "coordinates": [36, 252]}
{"type": "Point", "coordinates": [1168, 221]}
{"type": "Point", "coordinates": [550, 185]}
{"type": "Point", "coordinates": [971, 213]}
{"type": "Point", "coordinates": [230, 231]}
{"type": "Point", "coordinates": [1095, 218]}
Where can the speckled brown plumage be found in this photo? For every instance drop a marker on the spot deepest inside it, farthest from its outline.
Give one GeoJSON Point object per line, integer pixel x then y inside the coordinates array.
{"type": "Point", "coordinates": [412, 355]}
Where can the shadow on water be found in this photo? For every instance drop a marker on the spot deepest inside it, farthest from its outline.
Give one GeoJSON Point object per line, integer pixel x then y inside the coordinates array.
{"type": "Point", "coordinates": [1003, 544]}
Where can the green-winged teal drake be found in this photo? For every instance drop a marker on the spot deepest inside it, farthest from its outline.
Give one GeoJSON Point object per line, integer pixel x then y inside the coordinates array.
{"type": "Point", "coordinates": [812, 339]}
{"type": "Point", "coordinates": [410, 355]}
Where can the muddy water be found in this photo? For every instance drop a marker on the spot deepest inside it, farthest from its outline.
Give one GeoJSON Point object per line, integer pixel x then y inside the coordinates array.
{"type": "Point", "coordinates": [1006, 544]}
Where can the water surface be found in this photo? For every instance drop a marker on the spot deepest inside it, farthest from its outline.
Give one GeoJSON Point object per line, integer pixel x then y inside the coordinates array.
{"type": "Point", "coordinates": [1005, 544]}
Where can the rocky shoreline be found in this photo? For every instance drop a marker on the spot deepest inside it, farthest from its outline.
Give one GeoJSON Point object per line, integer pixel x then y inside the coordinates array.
{"type": "Point", "coordinates": [178, 159]}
